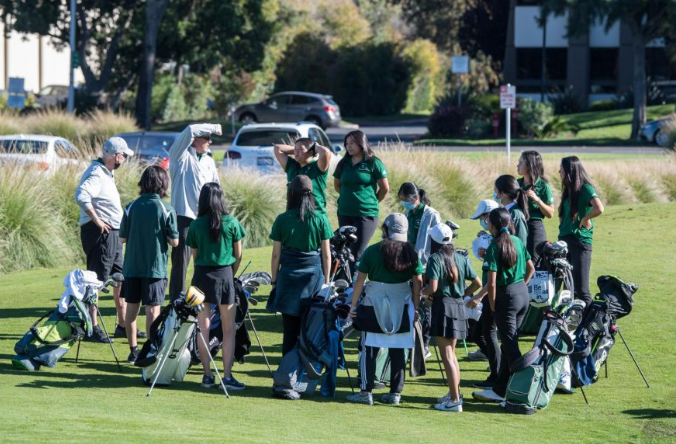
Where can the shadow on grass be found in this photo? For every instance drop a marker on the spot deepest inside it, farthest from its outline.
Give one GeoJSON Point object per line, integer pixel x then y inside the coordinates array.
{"type": "Point", "coordinates": [651, 413]}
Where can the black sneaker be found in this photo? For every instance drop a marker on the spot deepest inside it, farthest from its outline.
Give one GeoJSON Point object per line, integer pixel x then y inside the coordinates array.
{"type": "Point", "coordinates": [99, 336]}
{"type": "Point", "coordinates": [487, 384]}
{"type": "Point", "coordinates": [120, 332]}
{"type": "Point", "coordinates": [133, 355]}
{"type": "Point", "coordinates": [141, 334]}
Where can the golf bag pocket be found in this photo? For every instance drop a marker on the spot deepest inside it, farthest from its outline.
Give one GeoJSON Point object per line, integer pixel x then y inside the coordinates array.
{"type": "Point", "coordinates": [541, 289]}
{"type": "Point", "coordinates": [291, 375]}
{"type": "Point", "coordinates": [525, 386]}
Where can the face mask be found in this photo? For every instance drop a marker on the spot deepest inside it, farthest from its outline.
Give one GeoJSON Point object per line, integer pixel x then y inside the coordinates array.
{"type": "Point", "coordinates": [484, 224]}
{"type": "Point", "coordinates": [495, 197]}
{"type": "Point", "coordinates": [117, 165]}
{"type": "Point", "coordinates": [408, 205]}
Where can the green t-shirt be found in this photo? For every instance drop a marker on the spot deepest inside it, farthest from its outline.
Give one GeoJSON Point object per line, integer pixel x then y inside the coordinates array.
{"type": "Point", "coordinates": [520, 224]}
{"type": "Point", "coordinates": [414, 217]}
{"type": "Point", "coordinates": [568, 226]}
{"type": "Point", "coordinates": [542, 190]}
{"type": "Point", "coordinates": [372, 264]}
{"type": "Point", "coordinates": [359, 187]}
{"type": "Point", "coordinates": [315, 174]}
{"type": "Point", "coordinates": [214, 254]}
{"type": "Point", "coordinates": [436, 270]}
{"type": "Point", "coordinates": [304, 236]}
{"type": "Point", "coordinates": [147, 222]}
{"type": "Point", "coordinates": [507, 276]}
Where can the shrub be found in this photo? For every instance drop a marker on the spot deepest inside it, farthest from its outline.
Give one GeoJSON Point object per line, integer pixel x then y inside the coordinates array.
{"type": "Point", "coordinates": [425, 65]}
{"type": "Point", "coordinates": [533, 116]}
{"type": "Point", "coordinates": [669, 183]}
{"type": "Point", "coordinates": [566, 102]}
{"type": "Point", "coordinates": [105, 124]}
{"type": "Point", "coordinates": [478, 128]}
{"type": "Point", "coordinates": [554, 126]}
{"type": "Point", "coordinates": [57, 122]}
{"type": "Point", "coordinates": [448, 120]}
{"type": "Point", "coordinates": [669, 128]}
{"type": "Point", "coordinates": [9, 123]}
{"type": "Point", "coordinates": [175, 108]}
{"type": "Point", "coordinates": [604, 105]}
{"type": "Point", "coordinates": [643, 189]}
{"type": "Point", "coordinates": [196, 92]}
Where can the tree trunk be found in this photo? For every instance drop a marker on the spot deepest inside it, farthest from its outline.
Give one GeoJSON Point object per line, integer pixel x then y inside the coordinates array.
{"type": "Point", "coordinates": [640, 98]}
{"type": "Point", "coordinates": [155, 10]}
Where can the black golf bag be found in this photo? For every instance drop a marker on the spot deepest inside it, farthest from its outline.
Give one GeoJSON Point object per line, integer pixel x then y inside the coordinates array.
{"type": "Point", "coordinates": [341, 255]}
{"type": "Point", "coordinates": [596, 334]}
{"type": "Point", "coordinates": [315, 355]}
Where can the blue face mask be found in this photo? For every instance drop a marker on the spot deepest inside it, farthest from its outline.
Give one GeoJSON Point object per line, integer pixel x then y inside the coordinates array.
{"type": "Point", "coordinates": [484, 224]}
{"type": "Point", "coordinates": [408, 205]}
{"type": "Point", "coordinates": [495, 197]}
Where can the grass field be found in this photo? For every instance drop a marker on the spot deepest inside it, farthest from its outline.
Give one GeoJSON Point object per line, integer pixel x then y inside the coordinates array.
{"type": "Point", "coordinates": [92, 401]}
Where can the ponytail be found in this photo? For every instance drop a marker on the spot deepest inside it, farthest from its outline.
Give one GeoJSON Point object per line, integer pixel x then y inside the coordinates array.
{"type": "Point", "coordinates": [501, 219]}
{"type": "Point", "coordinates": [300, 197]}
{"type": "Point", "coordinates": [408, 190]}
{"type": "Point", "coordinates": [447, 253]}
{"type": "Point", "coordinates": [508, 185]}
{"type": "Point", "coordinates": [522, 202]}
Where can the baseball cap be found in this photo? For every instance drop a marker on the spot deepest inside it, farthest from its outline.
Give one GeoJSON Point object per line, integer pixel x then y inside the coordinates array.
{"type": "Point", "coordinates": [397, 227]}
{"type": "Point", "coordinates": [116, 145]}
{"type": "Point", "coordinates": [485, 206]}
{"type": "Point", "coordinates": [441, 234]}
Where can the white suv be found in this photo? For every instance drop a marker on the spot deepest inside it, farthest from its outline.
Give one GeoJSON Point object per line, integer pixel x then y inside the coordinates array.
{"type": "Point", "coordinates": [253, 145]}
{"type": "Point", "coordinates": [42, 152]}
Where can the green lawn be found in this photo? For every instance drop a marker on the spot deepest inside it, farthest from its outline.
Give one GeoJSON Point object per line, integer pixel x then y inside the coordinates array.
{"type": "Point", "coordinates": [610, 128]}
{"type": "Point", "coordinates": [92, 401]}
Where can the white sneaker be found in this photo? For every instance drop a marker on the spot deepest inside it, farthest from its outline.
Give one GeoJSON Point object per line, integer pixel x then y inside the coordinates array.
{"type": "Point", "coordinates": [450, 406]}
{"type": "Point", "coordinates": [446, 398]}
{"type": "Point", "coordinates": [487, 396]}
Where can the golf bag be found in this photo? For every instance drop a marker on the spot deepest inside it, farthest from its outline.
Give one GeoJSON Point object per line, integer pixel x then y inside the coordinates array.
{"type": "Point", "coordinates": [537, 373]}
{"type": "Point", "coordinates": [318, 349]}
{"type": "Point", "coordinates": [47, 343]}
{"type": "Point", "coordinates": [169, 336]}
{"type": "Point", "coordinates": [341, 255]}
{"type": "Point", "coordinates": [596, 334]}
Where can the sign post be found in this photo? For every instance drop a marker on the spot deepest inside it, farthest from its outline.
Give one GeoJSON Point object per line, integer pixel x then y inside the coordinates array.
{"type": "Point", "coordinates": [460, 65]}
{"type": "Point", "coordinates": [507, 102]}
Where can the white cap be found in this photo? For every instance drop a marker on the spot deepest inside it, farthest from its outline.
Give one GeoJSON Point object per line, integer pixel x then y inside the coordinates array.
{"type": "Point", "coordinates": [116, 145]}
{"type": "Point", "coordinates": [485, 206]}
{"type": "Point", "coordinates": [397, 227]}
{"type": "Point", "coordinates": [441, 234]}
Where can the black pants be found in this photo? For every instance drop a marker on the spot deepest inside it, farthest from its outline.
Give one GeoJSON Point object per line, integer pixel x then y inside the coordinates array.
{"type": "Point", "coordinates": [536, 235]}
{"type": "Point", "coordinates": [366, 226]}
{"type": "Point", "coordinates": [486, 337]}
{"type": "Point", "coordinates": [180, 259]}
{"type": "Point", "coordinates": [579, 256]}
{"type": "Point", "coordinates": [367, 368]}
{"type": "Point", "coordinates": [291, 330]}
{"type": "Point", "coordinates": [511, 304]}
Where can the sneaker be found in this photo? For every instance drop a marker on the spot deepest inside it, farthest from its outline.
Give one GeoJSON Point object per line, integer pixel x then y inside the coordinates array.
{"type": "Point", "coordinates": [361, 398]}
{"type": "Point", "coordinates": [428, 353]}
{"type": "Point", "coordinates": [208, 381]}
{"type": "Point", "coordinates": [141, 334]}
{"type": "Point", "coordinates": [120, 332]}
{"type": "Point", "coordinates": [487, 396]}
{"type": "Point", "coordinates": [291, 395]}
{"type": "Point", "coordinates": [477, 356]}
{"type": "Point", "coordinates": [486, 385]}
{"type": "Point", "coordinates": [446, 398]}
{"type": "Point", "coordinates": [391, 398]}
{"type": "Point", "coordinates": [449, 406]}
{"type": "Point", "coordinates": [232, 384]}
{"type": "Point", "coordinates": [99, 336]}
{"type": "Point", "coordinates": [377, 385]}
{"type": "Point", "coordinates": [133, 355]}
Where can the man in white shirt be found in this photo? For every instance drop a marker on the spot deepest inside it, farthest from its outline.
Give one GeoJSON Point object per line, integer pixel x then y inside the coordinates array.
{"type": "Point", "coordinates": [191, 167]}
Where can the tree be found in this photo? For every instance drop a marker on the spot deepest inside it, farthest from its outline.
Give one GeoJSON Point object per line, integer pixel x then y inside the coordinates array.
{"type": "Point", "coordinates": [644, 18]}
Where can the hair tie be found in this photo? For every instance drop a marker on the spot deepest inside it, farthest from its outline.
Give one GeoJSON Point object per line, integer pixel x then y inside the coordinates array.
{"type": "Point", "coordinates": [504, 230]}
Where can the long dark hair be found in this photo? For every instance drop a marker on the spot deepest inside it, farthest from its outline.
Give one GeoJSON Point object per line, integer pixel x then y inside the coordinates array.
{"type": "Point", "coordinates": [398, 256]}
{"type": "Point", "coordinates": [409, 190]}
{"type": "Point", "coordinates": [536, 169]}
{"type": "Point", "coordinates": [574, 178]}
{"type": "Point", "coordinates": [154, 179]}
{"type": "Point", "coordinates": [299, 197]}
{"type": "Point", "coordinates": [508, 185]}
{"type": "Point", "coordinates": [447, 251]}
{"type": "Point", "coordinates": [500, 219]}
{"type": "Point", "coordinates": [212, 204]}
{"type": "Point", "coordinates": [360, 139]}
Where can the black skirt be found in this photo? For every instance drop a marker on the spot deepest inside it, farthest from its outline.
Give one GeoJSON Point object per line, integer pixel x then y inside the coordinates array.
{"type": "Point", "coordinates": [217, 284]}
{"type": "Point", "coordinates": [449, 318]}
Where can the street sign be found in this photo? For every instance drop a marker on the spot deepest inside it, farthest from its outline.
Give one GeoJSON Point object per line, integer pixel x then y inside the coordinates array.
{"type": "Point", "coordinates": [507, 96]}
{"type": "Point", "coordinates": [16, 95]}
{"type": "Point", "coordinates": [460, 64]}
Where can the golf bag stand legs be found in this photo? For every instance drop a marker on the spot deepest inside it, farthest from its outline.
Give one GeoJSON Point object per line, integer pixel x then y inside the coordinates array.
{"type": "Point", "coordinates": [77, 354]}
{"type": "Point", "coordinates": [632, 357]}
{"type": "Point", "coordinates": [253, 327]}
{"type": "Point", "coordinates": [105, 330]}
{"type": "Point", "coordinates": [441, 370]}
{"type": "Point", "coordinates": [206, 347]}
{"type": "Point", "coordinates": [160, 367]}
{"type": "Point", "coordinates": [347, 369]}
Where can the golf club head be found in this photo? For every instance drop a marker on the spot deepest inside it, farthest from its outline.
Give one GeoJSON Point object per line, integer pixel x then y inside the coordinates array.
{"type": "Point", "coordinates": [104, 290]}
{"type": "Point", "coordinates": [253, 301]}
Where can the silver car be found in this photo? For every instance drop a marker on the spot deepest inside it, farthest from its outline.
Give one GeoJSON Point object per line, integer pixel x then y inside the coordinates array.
{"type": "Point", "coordinates": [292, 106]}
{"type": "Point", "coordinates": [654, 131]}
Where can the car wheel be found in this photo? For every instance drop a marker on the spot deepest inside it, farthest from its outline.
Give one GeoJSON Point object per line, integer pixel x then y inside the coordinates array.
{"type": "Point", "coordinates": [661, 138]}
{"type": "Point", "coordinates": [247, 118]}
{"type": "Point", "coordinates": [315, 120]}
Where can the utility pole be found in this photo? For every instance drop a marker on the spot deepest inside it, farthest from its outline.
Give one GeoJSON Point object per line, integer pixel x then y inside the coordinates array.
{"type": "Point", "coordinates": [544, 55]}
{"type": "Point", "coordinates": [73, 56]}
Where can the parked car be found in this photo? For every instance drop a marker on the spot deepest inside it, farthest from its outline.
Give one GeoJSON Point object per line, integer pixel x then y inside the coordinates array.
{"type": "Point", "coordinates": [151, 147]}
{"type": "Point", "coordinates": [42, 152]}
{"type": "Point", "coordinates": [52, 95]}
{"type": "Point", "coordinates": [253, 144]}
{"type": "Point", "coordinates": [654, 131]}
{"type": "Point", "coordinates": [292, 106]}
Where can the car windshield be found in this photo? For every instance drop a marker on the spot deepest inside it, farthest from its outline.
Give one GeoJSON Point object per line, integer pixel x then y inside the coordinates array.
{"type": "Point", "coordinates": [23, 147]}
{"type": "Point", "coordinates": [266, 137]}
{"type": "Point", "coordinates": [149, 145]}
{"type": "Point", "coordinates": [330, 101]}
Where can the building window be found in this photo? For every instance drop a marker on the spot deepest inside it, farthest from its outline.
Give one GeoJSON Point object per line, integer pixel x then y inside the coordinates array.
{"type": "Point", "coordinates": [529, 64]}
{"type": "Point", "coordinates": [658, 65]}
{"type": "Point", "coordinates": [603, 70]}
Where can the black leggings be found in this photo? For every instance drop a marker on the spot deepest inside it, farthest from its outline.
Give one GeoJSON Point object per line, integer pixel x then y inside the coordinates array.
{"type": "Point", "coordinates": [580, 256]}
{"type": "Point", "coordinates": [536, 235]}
{"type": "Point", "coordinates": [366, 226]}
{"type": "Point", "coordinates": [291, 329]}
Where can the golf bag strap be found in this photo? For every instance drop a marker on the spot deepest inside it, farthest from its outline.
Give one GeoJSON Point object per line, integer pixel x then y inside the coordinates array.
{"type": "Point", "coordinates": [34, 332]}
{"type": "Point", "coordinates": [309, 368]}
{"type": "Point", "coordinates": [566, 340]}
{"type": "Point", "coordinates": [305, 343]}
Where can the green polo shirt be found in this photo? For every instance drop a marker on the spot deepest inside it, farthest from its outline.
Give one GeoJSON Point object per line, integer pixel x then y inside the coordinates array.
{"type": "Point", "coordinates": [436, 269]}
{"type": "Point", "coordinates": [414, 216]}
{"type": "Point", "coordinates": [315, 174]}
{"type": "Point", "coordinates": [303, 236]}
{"type": "Point", "coordinates": [147, 222]}
{"type": "Point", "coordinates": [507, 276]}
{"type": "Point", "coordinates": [359, 187]}
{"type": "Point", "coordinates": [568, 226]}
{"type": "Point", "coordinates": [542, 190]}
{"type": "Point", "coordinates": [210, 253]}
{"type": "Point", "coordinates": [520, 224]}
{"type": "Point", "coordinates": [372, 263]}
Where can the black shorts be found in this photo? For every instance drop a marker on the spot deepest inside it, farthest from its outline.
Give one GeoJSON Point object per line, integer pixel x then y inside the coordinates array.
{"type": "Point", "coordinates": [449, 318]}
{"type": "Point", "coordinates": [103, 250]}
{"type": "Point", "coordinates": [217, 284]}
{"type": "Point", "coordinates": [150, 291]}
